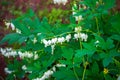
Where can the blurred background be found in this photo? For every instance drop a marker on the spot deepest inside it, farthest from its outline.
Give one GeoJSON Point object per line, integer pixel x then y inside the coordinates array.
{"type": "Point", "coordinates": [10, 9]}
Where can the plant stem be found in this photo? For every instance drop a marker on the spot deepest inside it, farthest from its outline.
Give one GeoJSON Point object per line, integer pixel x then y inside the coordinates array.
{"type": "Point", "coordinates": [84, 72]}
{"type": "Point", "coordinates": [97, 25]}
{"type": "Point", "coordinates": [84, 63]}
{"type": "Point", "coordinates": [80, 44]}
{"type": "Point", "coordinates": [73, 63]}
{"type": "Point", "coordinates": [117, 46]}
{"type": "Point", "coordinates": [75, 72]}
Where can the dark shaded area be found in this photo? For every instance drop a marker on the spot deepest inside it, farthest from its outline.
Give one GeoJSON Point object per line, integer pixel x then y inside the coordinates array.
{"type": "Point", "coordinates": [118, 5]}
{"type": "Point", "coordinates": [2, 67]}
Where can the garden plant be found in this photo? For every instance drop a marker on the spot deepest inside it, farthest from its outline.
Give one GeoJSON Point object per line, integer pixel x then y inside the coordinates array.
{"type": "Point", "coordinates": [87, 47]}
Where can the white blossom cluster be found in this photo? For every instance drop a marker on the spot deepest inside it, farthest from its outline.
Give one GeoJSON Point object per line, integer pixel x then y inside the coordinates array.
{"type": "Point", "coordinates": [8, 24]}
{"type": "Point", "coordinates": [79, 35]}
{"type": "Point", "coordinates": [75, 8]}
{"type": "Point", "coordinates": [48, 73]}
{"type": "Point", "coordinates": [77, 18]}
{"type": "Point", "coordinates": [60, 2]}
{"type": "Point", "coordinates": [54, 41]}
{"type": "Point", "coordinates": [8, 71]}
{"type": "Point", "coordinates": [8, 52]}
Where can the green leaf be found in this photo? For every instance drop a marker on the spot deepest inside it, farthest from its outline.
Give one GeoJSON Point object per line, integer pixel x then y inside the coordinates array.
{"type": "Point", "coordinates": [102, 55]}
{"type": "Point", "coordinates": [90, 3]}
{"type": "Point", "coordinates": [81, 53]}
{"type": "Point", "coordinates": [95, 68]}
{"type": "Point", "coordinates": [115, 22]}
{"type": "Point", "coordinates": [107, 61]}
{"type": "Point", "coordinates": [77, 60]}
{"type": "Point", "coordinates": [114, 53]}
{"type": "Point", "coordinates": [35, 74]}
{"type": "Point", "coordinates": [11, 38]}
{"type": "Point", "coordinates": [72, 20]}
{"type": "Point", "coordinates": [90, 47]}
{"type": "Point", "coordinates": [22, 40]}
{"type": "Point", "coordinates": [21, 26]}
{"type": "Point", "coordinates": [108, 57]}
{"type": "Point", "coordinates": [10, 77]}
{"type": "Point", "coordinates": [109, 44]}
{"type": "Point", "coordinates": [115, 37]}
{"type": "Point", "coordinates": [67, 53]}
{"type": "Point", "coordinates": [64, 74]}
{"type": "Point", "coordinates": [101, 41]}
{"type": "Point", "coordinates": [66, 62]}
{"type": "Point", "coordinates": [37, 65]}
{"type": "Point", "coordinates": [108, 77]}
{"type": "Point", "coordinates": [108, 4]}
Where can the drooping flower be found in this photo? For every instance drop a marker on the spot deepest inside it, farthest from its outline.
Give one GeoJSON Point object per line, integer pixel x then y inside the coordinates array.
{"type": "Point", "coordinates": [54, 40]}
{"type": "Point", "coordinates": [36, 56]}
{"type": "Point", "coordinates": [78, 29]}
{"type": "Point", "coordinates": [61, 40]}
{"type": "Point", "coordinates": [10, 25]}
{"type": "Point", "coordinates": [49, 42]}
{"type": "Point", "coordinates": [97, 43]}
{"type": "Point", "coordinates": [83, 36]}
{"type": "Point", "coordinates": [8, 71]}
{"type": "Point", "coordinates": [76, 36]}
{"type": "Point", "coordinates": [68, 37]}
{"type": "Point", "coordinates": [34, 40]}
{"type": "Point", "coordinates": [45, 42]}
{"type": "Point", "coordinates": [60, 65]}
{"type": "Point", "coordinates": [24, 67]}
{"type": "Point", "coordinates": [46, 75]}
{"type": "Point", "coordinates": [38, 34]}
{"type": "Point", "coordinates": [7, 52]}
{"type": "Point", "coordinates": [18, 31]}
{"type": "Point", "coordinates": [78, 18]}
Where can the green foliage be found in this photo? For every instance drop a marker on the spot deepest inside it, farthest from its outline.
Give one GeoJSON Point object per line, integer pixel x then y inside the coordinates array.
{"type": "Point", "coordinates": [65, 75]}
{"type": "Point", "coordinates": [13, 37]}
{"type": "Point", "coordinates": [97, 58]}
{"type": "Point", "coordinates": [66, 52]}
